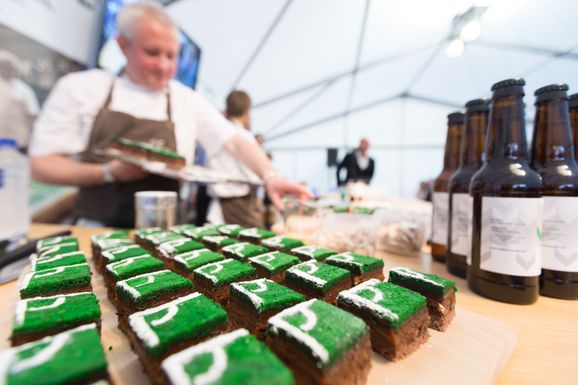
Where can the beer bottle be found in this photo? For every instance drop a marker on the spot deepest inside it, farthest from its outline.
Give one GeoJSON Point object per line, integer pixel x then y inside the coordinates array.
{"type": "Point", "coordinates": [574, 121]}
{"type": "Point", "coordinates": [460, 213]}
{"type": "Point", "coordinates": [440, 196]}
{"type": "Point", "coordinates": [505, 260]}
{"type": "Point", "coordinates": [554, 159]}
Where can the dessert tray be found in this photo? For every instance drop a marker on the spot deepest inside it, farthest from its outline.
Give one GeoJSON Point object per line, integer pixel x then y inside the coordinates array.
{"type": "Point", "coordinates": [188, 173]}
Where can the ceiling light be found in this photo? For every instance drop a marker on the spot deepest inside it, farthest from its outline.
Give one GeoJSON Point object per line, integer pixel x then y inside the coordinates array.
{"type": "Point", "coordinates": [471, 31]}
{"type": "Point", "coordinates": [455, 49]}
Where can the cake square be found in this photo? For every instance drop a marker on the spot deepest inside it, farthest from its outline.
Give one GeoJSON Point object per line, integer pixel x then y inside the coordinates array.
{"type": "Point", "coordinates": [213, 279]}
{"type": "Point", "coordinates": [281, 243]}
{"type": "Point", "coordinates": [179, 229]}
{"type": "Point", "coordinates": [252, 303]}
{"type": "Point", "coordinates": [48, 361]}
{"type": "Point", "coordinates": [255, 234]}
{"type": "Point", "coordinates": [148, 290]}
{"type": "Point", "coordinates": [98, 238]}
{"type": "Point", "coordinates": [273, 265]}
{"type": "Point", "coordinates": [217, 242]}
{"type": "Point", "coordinates": [440, 294]}
{"type": "Point", "coordinates": [61, 248]}
{"type": "Point", "coordinates": [119, 253]}
{"type": "Point", "coordinates": [318, 280]}
{"type": "Point", "coordinates": [153, 241]}
{"type": "Point", "coordinates": [230, 230]}
{"type": "Point", "coordinates": [104, 245]}
{"type": "Point", "coordinates": [243, 251]}
{"type": "Point", "coordinates": [66, 259]}
{"type": "Point", "coordinates": [361, 267]}
{"type": "Point", "coordinates": [60, 280]}
{"type": "Point", "coordinates": [234, 358]}
{"type": "Point", "coordinates": [54, 241]}
{"type": "Point", "coordinates": [128, 268]}
{"type": "Point", "coordinates": [200, 232]}
{"type": "Point", "coordinates": [321, 344]}
{"type": "Point", "coordinates": [40, 317]}
{"type": "Point", "coordinates": [186, 263]}
{"type": "Point", "coordinates": [397, 317]}
{"type": "Point", "coordinates": [158, 332]}
{"type": "Point", "coordinates": [306, 253]}
{"type": "Point", "coordinates": [178, 246]}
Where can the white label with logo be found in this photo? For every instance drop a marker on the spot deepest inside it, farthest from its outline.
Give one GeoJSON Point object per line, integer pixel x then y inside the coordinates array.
{"type": "Point", "coordinates": [560, 234]}
{"type": "Point", "coordinates": [510, 237]}
{"type": "Point", "coordinates": [440, 218]}
{"type": "Point", "coordinates": [462, 207]}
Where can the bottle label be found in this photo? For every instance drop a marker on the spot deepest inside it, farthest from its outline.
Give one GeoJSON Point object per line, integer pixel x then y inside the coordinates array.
{"type": "Point", "coordinates": [440, 218]}
{"type": "Point", "coordinates": [560, 243]}
{"type": "Point", "coordinates": [462, 207]}
{"type": "Point", "coordinates": [510, 237]}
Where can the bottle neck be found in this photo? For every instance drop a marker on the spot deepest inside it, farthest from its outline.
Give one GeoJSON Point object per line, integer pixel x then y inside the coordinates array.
{"type": "Point", "coordinates": [552, 138]}
{"type": "Point", "coordinates": [453, 143]}
{"type": "Point", "coordinates": [574, 124]}
{"type": "Point", "coordinates": [506, 137]}
{"type": "Point", "coordinates": [473, 139]}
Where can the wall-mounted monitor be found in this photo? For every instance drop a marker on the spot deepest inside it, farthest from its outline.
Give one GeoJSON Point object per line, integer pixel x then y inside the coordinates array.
{"type": "Point", "coordinates": [111, 59]}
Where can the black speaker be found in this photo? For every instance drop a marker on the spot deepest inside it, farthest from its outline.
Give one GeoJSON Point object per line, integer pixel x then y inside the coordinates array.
{"type": "Point", "coordinates": [331, 157]}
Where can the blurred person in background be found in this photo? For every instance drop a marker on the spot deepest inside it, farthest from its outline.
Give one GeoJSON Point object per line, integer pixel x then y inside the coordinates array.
{"type": "Point", "coordinates": [358, 165]}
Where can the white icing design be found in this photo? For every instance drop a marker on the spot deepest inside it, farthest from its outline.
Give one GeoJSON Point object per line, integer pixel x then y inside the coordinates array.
{"type": "Point", "coordinates": [414, 274]}
{"type": "Point", "coordinates": [306, 250]}
{"type": "Point", "coordinates": [125, 262]}
{"type": "Point", "coordinates": [306, 270]}
{"type": "Point", "coordinates": [264, 258]}
{"type": "Point", "coordinates": [150, 278]}
{"type": "Point", "coordinates": [345, 257]}
{"type": "Point", "coordinates": [53, 249]}
{"type": "Point", "coordinates": [168, 248]}
{"type": "Point", "coordinates": [58, 257]}
{"type": "Point", "coordinates": [251, 233]}
{"type": "Point", "coordinates": [236, 248]}
{"type": "Point", "coordinates": [274, 242]}
{"type": "Point", "coordinates": [190, 255]}
{"type": "Point", "coordinates": [227, 229]}
{"type": "Point", "coordinates": [373, 304]}
{"type": "Point", "coordinates": [46, 273]}
{"type": "Point", "coordinates": [299, 333]}
{"type": "Point", "coordinates": [174, 366]}
{"type": "Point", "coordinates": [22, 306]}
{"type": "Point", "coordinates": [261, 287]}
{"type": "Point", "coordinates": [144, 331]}
{"type": "Point", "coordinates": [111, 254]}
{"type": "Point", "coordinates": [216, 239]}
{"type": "Point", "coordinates": [216, 267]}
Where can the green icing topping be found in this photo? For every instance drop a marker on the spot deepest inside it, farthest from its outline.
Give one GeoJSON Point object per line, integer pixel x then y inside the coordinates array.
{"type": "Point", "coordinates": [62, 248]}
{"type": "Point", "coordinates": [317, 275]}
{"type": "Point", "coordinates": [340, 209]}
{"type": "Point", "coordinates": [55, 280]}
{"type": "Point", "coordinates": [117, 234]}
{"type": "Point", "coordinates": [185, 318]}
{"type": "Point", "coordinates": [426, 283]}
{"type": "Point", "coordinates": [53, 241]}
{"type": "Point", "coordinates": [160, 238]}
{"type": "Point", "coordinates": [264, 295]}
{"type": "Point", "coordinates": [60, 312]}
{"type": "Point", "coordinates": [357, 264]}
{"type": "Point", "coordinates": [180, 229]}
{"type": "Point", "coordinates": [230, 230]}
{"type": "Point", "coordinates": [163, 151]}
{"type": "Point", "coordinates": [123, 252]}
{"type": "Point", "coordinates": [70, 357]}
{"type": "Point", "coordinates": [282, 243]}
{"type": "Point", "coordinates": [234, 358]}
{"type": "Point", "coordinates": [312, 252]}
{"type": "Point", "coordinates": [219, 240]}
{"type": "Point", "coordinates": [200, 232]}
{"type": "Point", "coordinates": [193, 259]}
{"type": "Point", "coordinates": [274, 262]}
{"type": "Point", "coordinates": [384, 301]}
{"type": "Point", "coordinates": [58, 260]}
{"type": "Point", "coordinates": [256, 234]}
{"type": "Point", "coordinates": [144, 287]}
{"type": "Point", "coordinates": [319, 330]}
{"type": "Point", "coordinates": [243, 250]}
{"type": "Point", "coordinates": [178, 246]}
{"type": "Point", "coordinates": [113, 243]}
{"type": "Point", "coordinates": [224, 272]}
{"type": "Point", "coordinates": [144, 232]}
{"type": "Point", "coordinates": [363, 210]}
{"type": "Point", "coordinates": [132, 266]}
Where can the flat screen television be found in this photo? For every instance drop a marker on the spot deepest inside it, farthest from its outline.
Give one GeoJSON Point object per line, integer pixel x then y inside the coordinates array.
{"type": "Point", "coordinates": [111, 59]}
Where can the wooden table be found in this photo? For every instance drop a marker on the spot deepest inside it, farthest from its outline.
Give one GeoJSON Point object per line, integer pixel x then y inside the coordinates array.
{"type": "Point", "coordinates": [547, 349]}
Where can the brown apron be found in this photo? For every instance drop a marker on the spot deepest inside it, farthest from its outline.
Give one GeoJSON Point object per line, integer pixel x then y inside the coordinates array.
{"type": "Point", "coordinates": [113, 203]}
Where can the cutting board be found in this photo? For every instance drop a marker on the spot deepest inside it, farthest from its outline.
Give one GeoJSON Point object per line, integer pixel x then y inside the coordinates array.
{"type": "Point", "coordinates": [472, 350]}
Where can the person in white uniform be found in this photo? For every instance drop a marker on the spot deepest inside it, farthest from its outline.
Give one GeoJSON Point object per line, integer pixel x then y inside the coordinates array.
{"type": "Point", "coordinates": [85, 110]}
{"type": "Point", "coordinates": [239, 202]}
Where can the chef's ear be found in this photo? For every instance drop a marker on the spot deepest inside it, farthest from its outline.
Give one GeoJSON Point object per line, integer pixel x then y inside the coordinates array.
{"type": "Point", "coordinates": [122, 43]}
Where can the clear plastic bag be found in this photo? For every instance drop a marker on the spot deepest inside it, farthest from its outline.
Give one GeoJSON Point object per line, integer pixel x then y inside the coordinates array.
{"type": "Point", "coordinates": [348, 232]}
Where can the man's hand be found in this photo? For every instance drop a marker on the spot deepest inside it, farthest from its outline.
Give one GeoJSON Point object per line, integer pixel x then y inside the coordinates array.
{"type": "Point", "coordinates": [124, 172]}
{"type": "Point", "coordinates": [277, 187]}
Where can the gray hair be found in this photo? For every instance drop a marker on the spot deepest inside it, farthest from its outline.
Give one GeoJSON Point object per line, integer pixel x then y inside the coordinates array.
{"type": "Point", "coordinates": [131, 13]}
{"type": "Point", "coordinates": [11, 60]}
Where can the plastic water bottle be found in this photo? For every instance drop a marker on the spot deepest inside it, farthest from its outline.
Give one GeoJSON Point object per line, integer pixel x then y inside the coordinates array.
{"type": "Point", "coordinates": [14, 180]}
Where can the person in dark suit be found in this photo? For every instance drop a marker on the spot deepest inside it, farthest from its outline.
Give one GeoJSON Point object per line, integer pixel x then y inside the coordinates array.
{"type": "Point", "coordinates": [358, 164]}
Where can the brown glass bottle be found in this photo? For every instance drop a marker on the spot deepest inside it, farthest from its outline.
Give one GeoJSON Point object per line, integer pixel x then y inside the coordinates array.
{"type": "Point", "coordinates": [440, 196]}
{"type": "Point", "coordinates": [552, 157]}
{"type": "Point", "coordinates": [460, 206]}
{"type": "Point", "coordinates": [574, 122]}
{"type": "Point", "coordinates": [505, 260]}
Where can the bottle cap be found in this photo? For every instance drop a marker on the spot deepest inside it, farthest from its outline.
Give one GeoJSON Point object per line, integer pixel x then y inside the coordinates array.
{"type": "Point", "coordinates": [456, 118]}
{"type": "Point", "coordinates": [551, 92]}
{"type": "Point", "coordinates": [478, 105]}
{"type": "Point", "coordinates": [573, 100]}
{"type": "Point", "coordinates": [509, 83]}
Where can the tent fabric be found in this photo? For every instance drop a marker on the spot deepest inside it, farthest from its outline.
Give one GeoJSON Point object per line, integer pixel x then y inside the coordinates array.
{"type": "Point", "coordinates": [320, 77]}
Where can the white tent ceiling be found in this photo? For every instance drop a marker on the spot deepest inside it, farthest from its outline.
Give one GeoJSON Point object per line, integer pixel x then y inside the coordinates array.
{"type": "Point", "coordinates": [298, 60]}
